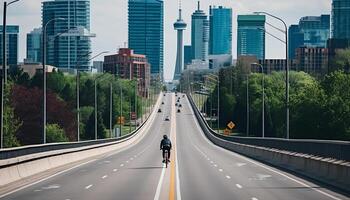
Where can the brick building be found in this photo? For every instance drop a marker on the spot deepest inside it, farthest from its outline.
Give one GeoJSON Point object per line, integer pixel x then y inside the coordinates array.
{"type": "Point", "coordinates": [127, 65]}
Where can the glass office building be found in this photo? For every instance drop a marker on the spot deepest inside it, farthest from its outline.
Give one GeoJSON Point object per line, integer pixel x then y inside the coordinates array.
{"type": "Point", "coordinates": [312, 31]}
{"type": "Point", "coordinates": [146, 32]}
{"type": "Point", "coordinates": [200, 35]}
{"type": "Point", "coordinates": [11, 44]}
{"type": "Point", "coordinates": [34, 46]}
{"type": "Point", "coordinates": [251, 35]}
{"type": "Point", "coordinates": [68, 41]}
{"type": "Point", "coordinates": [341, 19]}
{"type": "Point", "coordinates": [220, 30]}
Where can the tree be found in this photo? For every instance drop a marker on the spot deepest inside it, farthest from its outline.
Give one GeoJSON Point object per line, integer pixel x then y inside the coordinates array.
{"type": "Point", "coordinates": [11, 122]}
{"type": "Point", "coordinates": [27, 103]}
{"type": "Point", "coordinates": [342, 60]}
{"type": "Point", "coordinates": [56, 82]}
{"type": "Point", "coordinates": [55, 134]}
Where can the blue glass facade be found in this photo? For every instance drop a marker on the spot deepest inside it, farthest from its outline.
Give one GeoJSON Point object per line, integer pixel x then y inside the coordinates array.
{"type": "Point", "coordinates": [312, 31]}
{"type": "Point", "coordinates": [187, 54]}
{"type": "Point", "coordinates": [146, 32]}
{"type": "Point", "coordinates": [341, 19]}
{"type": "Point", "coordinates": [34, 45]}
{"type": "Point", "coordinates": [11, 43]}
{"type": "Point", "coordinates": [200, 35]}
{"type": "Point", "coordinates": [220, 30]}
{"type": "Point", "coordinates": [251, 35]}
{"type": "Point", "coordinates": [64, 51]}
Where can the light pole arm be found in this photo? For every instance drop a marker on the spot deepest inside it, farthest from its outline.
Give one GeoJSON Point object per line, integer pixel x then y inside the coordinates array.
{"type": "Point", "coordinates": [12, 2]}
{"type": "Point", "coordinates": [273, 16]}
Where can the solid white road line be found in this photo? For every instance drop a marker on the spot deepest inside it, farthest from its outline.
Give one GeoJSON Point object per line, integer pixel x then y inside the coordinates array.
{"type": "Point", "coordinates": [261, 165]}
{"type": "Point", "coordinates": [159, 187]}
{"type": "Point", "coordinates": [44, 179]}
{"type": "Point", "coordinates": [88, 187]}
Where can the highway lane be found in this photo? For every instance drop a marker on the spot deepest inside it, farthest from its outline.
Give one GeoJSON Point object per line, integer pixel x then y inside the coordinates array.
{"type": "Point", "coordinates": [210, 172]}
{"type": "Point", "coordinates": [130, 174]}
{"type": "Point", "coordinates": [199, 170]}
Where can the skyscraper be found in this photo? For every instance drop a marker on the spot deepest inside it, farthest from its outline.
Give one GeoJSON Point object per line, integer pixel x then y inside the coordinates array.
{"type": "Point", "coordinates": [12, 44]}
{"type": "Point", "coordinates": [179, 26]}
{"type": "Point", "coordinates": [146, 32]}
{"type": "Point", "coordinates": [220, 30]}
{"type": "Point", "coordinates": [34, 46]}
{"type": "Point", "coordinates": [251, 35]}
{"type": "Point", "coordinates": [68, 40]}
{"type": "Point", "coordinates": [200, 35]}
{"type": "Point", "coordinates": [341, 19]}
{"type": "Point", "coordinates": [312, 31]}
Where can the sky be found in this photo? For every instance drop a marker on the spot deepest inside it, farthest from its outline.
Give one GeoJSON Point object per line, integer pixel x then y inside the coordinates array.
{"type": "Point", "coordinates": [109, 20]}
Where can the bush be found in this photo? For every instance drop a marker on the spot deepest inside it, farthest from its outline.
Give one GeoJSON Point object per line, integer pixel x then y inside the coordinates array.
{"type": "Point", "coordinates": [54, 133]}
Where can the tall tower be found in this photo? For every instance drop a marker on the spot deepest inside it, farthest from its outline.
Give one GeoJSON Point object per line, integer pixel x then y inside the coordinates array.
{"type": "Point", "coordinates": [179, 26]}
{"type": "Point", "coordinates": [146, 32]}
{"type": "Point", "coordinates": [200, 35]}
{"type": "Point", "coordinates": [65, 49]}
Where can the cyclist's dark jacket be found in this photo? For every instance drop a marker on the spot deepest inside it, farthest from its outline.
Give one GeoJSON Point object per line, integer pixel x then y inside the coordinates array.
{"type": "Point", "coordinates": [165, 143]}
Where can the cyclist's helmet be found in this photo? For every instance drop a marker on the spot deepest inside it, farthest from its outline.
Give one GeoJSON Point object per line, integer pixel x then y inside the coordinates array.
{"type": "Point", "coordinates": [165, 136]}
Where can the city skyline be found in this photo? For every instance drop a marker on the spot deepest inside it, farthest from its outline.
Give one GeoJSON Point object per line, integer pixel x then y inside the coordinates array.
{"type": "Point", "coordinates": [114, 35]}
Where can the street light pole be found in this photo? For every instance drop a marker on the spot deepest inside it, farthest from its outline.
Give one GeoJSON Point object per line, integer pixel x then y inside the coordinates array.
{"type": "Point", "coordinates": [111, 108]}
{"type": "Point", "coordinates": [4, 72]}
{"type": "Point", "coordinates": [44, 76]}
{"type": "Point", "coordinates": [263, 98]}
{"type": "Point", "coordinates": [287, 68]}
{"type": "Point", "coordinates": [248, 105]}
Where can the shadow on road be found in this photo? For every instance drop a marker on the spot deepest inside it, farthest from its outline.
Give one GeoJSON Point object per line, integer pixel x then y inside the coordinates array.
{"type": "Point", "coordinates": [160, 167]}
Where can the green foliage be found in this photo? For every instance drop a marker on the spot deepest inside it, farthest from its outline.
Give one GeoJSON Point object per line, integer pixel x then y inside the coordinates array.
{"type": "Point", "coordinates": [319, 109]}
{"type": "Point", "coordinates": [55, 134]}
{"type": "Point", "coordinates": [11, 122]}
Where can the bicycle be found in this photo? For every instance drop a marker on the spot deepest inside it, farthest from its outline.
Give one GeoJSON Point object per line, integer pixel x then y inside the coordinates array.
{"type": "Point", "coordinates": [166, 158]}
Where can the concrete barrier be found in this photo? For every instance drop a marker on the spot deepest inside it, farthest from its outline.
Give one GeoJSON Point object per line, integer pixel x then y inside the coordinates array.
{"type": "Point", "coordinates": [326, 170]}
{"type": "Point", "coordinates": [15, 169]}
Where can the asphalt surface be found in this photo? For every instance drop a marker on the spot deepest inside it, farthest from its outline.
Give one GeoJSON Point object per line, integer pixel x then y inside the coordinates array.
{"type": "Point", "coordinates": [198, 170]}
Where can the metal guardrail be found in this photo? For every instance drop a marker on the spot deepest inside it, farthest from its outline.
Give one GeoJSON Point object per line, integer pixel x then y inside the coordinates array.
{"type": "Point", "coordinates": [339, 150]}
{"type": "Point", "coordinates": [42, 148]}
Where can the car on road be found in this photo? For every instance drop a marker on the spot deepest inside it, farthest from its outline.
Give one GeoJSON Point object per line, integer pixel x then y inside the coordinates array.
{"type": "Point", "coordinates": [178, 110]}
{"type": "Point", "coordinates": [176, 104]}
{"type": "Point", "coordinates": [159, 110]}
{"type": "Point", "coordinates": [163, 103]}
{"type": "Point", "coordinates": [167, 118]}
{"type": "Point", "coordinates": [180, 105]}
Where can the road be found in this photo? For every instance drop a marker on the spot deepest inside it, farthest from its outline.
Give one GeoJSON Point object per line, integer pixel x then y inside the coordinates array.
{"type": "Point", "coordinates": [198, 170]}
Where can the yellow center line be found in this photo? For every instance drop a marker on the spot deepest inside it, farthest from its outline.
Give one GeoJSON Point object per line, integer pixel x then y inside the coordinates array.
{"type": "Point", "coordinates": [173, 160]}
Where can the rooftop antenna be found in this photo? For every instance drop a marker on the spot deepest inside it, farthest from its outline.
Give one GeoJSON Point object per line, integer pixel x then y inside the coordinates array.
{"type": "Point", "coordinates": [180, 10]}
{"type": "Point", "coordinates": [199, 5]}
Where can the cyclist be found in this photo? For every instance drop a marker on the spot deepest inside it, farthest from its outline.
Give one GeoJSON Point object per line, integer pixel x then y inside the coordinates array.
{"type": "Point", "coordinates": [165, 144]}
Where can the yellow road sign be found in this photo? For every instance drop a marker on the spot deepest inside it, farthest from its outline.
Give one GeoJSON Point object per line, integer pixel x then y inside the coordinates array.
{"type": "Point", "coordinates": [121, 120]}
{"type": "Point", "coordinates": [231, 125]}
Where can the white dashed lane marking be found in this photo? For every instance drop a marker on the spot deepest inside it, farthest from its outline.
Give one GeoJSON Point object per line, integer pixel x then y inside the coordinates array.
{"type": "Point", "coordinates": [239, 186]}
{"type": "Point", "coordinates": [105, 176]}
{"type": "Point", "coordinates": [88, 187]}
